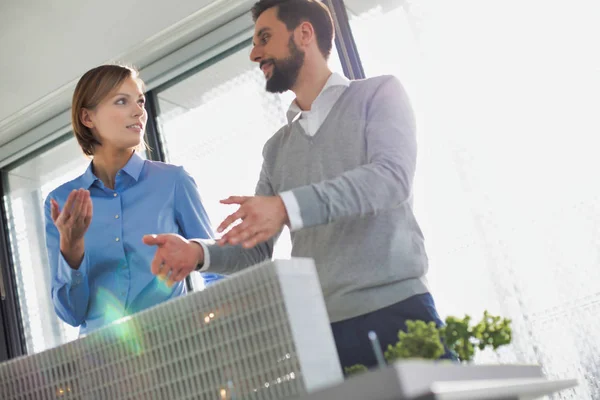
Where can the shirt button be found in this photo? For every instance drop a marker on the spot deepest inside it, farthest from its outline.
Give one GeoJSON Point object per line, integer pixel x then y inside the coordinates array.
{"type": "Point", "coordinates": [114, 195]}
{"type": "Point", "coordinates": [117, 216]}
{"type": "Point", "coordinates": [117, 239]}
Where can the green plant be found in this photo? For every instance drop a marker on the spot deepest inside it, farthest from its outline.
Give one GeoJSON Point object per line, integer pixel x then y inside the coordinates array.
{"type": "Point", "coordinates": [462, 338]}
{"type": "Point", "coordinates": [355, 369]}
{"type": "Point", "coordinates": [457, 335]}
{"type": "Point", "coordinates": [493, 331]}
{"type": "Point", "coordinates": [421, 340]}
{"type": "Point", "coordinates": [425, 340]}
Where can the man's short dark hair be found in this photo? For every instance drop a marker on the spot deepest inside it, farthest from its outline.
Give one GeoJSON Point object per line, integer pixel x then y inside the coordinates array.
{"type": "Point", "coordinates": [293, 12]}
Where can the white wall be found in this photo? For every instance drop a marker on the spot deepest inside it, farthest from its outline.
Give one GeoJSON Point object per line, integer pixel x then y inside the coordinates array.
{"type": "Point", "coordinates": [46, 45]}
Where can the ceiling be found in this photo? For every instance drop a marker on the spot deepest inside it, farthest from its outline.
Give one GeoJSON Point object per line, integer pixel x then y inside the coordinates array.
{"type": "Point", "coordinates": [45, 46]}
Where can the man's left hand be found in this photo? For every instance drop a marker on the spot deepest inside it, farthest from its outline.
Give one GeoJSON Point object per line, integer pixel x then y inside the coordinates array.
{"type": "Point", "coordinates": [262, 217]}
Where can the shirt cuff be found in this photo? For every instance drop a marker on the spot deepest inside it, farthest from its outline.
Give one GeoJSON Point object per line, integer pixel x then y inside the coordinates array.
{"type": "Point", "coordinates": [206, 263]}
{"type": "Point", "coordinates": [68, 275]}
{"type": "Point", "coordinates": [293, 210]}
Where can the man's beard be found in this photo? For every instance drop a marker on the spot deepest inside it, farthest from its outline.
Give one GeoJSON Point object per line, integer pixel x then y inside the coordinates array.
{"type": "Point", "coordinates": [285, 72]}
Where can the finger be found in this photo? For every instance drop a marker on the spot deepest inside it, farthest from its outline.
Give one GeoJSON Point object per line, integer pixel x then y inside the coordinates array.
{"type": "Point", "coordinates": [54, 209]}
{"type": "Point", "coordinates": [165, 273]}
{"type": "Point", "coordinates": [178, 276]}
{"type": "Point", "coordinates": [235, 200]}
{"type": "Point", "coordinates": [157, 264]}
{"type": "Point", "coordinates": [89, 210]}
{"type": "Point", "coordinates": [67, 208]}
{"type": "Point", "coordinates": [239, 214]}
{"type": "Point", "coordinates": [256, 239]}
{"type": "Point", "coordinates": [74, 209]}
{"type": "Point", "coordinates": [91, 204]}
{"type": "Point", "coordinates": [241, 232]}
{"type": "Point", "coordinates": [155, 240]}
{"type": "Point", "coordinates": [79, 206]}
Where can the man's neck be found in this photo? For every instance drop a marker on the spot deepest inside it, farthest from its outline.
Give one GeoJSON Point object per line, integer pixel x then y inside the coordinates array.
{"type": "Point", "coordinates": [310, 83]}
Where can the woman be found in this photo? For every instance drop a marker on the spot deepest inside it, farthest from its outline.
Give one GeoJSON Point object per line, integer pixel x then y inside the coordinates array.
{"type": "Point", "coordinates": [95, 223]}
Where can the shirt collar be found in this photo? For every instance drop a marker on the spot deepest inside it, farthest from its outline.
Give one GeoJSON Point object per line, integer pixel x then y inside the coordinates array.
{"type": "Point", "coordinates": [334, 79]}
{"type": "Point", "coordinates": [88, 178]}
{"type": "Point", "coordinates": [133, 168]}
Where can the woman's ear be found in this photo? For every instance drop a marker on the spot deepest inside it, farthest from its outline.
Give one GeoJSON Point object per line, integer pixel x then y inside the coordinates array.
{"type": "Point", "coordinates": [86, 118]}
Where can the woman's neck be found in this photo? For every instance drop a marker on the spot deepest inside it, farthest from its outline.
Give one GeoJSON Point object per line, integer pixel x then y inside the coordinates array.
{"type": "Point", "coordinates": [107, 163]}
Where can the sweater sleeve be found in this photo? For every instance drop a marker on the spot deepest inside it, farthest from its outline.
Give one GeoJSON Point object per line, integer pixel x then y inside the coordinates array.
{"type": "Point", "coordinates": [385, 180]}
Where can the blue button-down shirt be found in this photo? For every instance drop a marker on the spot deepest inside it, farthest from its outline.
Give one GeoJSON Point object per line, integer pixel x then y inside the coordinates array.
{"type": "Point", "coordinates": [114, 279]}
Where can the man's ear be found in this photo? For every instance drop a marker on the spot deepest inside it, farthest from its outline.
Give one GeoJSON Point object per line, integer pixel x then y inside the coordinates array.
{"type": "Point", "coordinates": [305, 34]}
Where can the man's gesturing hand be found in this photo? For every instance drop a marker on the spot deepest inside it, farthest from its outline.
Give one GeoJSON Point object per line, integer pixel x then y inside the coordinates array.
{"type": "Point", "coordinates": [175, 256]}
{"type": "Point", "coordinates": [262, 217]}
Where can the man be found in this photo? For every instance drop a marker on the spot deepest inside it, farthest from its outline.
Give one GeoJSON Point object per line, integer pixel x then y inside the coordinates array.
{"type": "Point", "coordinates": [339, 174]}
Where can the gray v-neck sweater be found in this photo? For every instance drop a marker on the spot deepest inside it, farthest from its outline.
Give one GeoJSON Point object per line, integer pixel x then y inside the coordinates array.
{"type": "Point", "coordinates": [353, 183]}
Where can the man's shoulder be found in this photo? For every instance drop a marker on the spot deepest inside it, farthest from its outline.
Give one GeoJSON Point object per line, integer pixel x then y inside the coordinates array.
{"type": "Point", "coordinates": [368, 87]}
{"type": "Point", "coordinates": [379, 90]}
{"type": "Point", "coordinates": [374, 81]}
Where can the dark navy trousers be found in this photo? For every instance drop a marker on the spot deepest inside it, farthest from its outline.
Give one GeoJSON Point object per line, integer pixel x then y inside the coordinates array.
{"type": "Point", "coordinates": [351, 335]}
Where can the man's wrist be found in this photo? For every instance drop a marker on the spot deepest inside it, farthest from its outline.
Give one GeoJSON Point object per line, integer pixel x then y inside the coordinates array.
{"type": "Point", "coordinates": [204, 260]}
{"type": "Point", "coordinates": [292, 210]}
{"type": "Point", "coordinates": [284, 213]}
{"type": "Point", "coordinates": [198, 254]}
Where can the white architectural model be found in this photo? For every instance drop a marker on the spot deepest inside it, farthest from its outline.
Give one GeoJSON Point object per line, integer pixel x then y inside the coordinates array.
{"type": "Point", "coordinates": [426, 380]}
{"type": "Point", "coordinates": [261, 334]}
